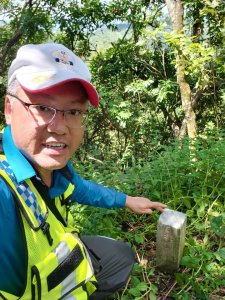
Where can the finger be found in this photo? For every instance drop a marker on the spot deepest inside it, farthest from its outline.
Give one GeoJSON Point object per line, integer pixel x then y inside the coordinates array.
{"type": "Point", "coordinates": [160, 209]}
{"type": "Point", "coordinates": [158, 204]}
{"type": "Point", "coordinates": [146, 211]}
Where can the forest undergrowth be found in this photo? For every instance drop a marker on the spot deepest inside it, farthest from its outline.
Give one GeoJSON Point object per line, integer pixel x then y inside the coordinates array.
{"type": "Point", "coordinates": [192, 182]}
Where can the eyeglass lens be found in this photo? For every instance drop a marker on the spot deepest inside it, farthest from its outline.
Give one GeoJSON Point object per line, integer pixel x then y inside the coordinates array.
{"type": "Point", "coordinates": [45, 115]}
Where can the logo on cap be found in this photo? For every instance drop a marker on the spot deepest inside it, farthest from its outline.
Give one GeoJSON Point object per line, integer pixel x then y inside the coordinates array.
{"type": "Point", "coordinates": [43, 77]}
{"type": "Point", "coordinates": [61, 56]}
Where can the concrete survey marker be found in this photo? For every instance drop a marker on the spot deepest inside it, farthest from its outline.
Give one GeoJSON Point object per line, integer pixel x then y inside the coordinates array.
{"type": "Point", "coordinates": [170, 240]}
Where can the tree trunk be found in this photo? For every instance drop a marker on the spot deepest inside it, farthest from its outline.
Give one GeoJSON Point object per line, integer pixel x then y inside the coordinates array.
{"type": "Point", "coordinates": [176, 12]}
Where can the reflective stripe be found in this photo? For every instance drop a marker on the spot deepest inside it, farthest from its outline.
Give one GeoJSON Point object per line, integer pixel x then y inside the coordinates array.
{"type": "Point", "coordinates": [25, 192]}
{"type": "Point", "coordinates": [62, 251]}
{"type": "Point", "coordinates": [67, 285]}
{"type": "Point", "coordinates": [70, 297]}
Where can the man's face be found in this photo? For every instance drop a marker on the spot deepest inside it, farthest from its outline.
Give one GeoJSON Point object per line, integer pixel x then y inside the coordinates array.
{"type": "Point", "coordinates": [48, 146]}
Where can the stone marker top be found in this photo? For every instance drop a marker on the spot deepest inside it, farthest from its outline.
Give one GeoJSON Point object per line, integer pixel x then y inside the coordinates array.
{"type": "Point", "coordinates": [172, 218]}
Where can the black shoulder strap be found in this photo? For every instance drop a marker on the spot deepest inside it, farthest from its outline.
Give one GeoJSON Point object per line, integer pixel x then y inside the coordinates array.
{"type": "Point", "coordinates": [43, 191]}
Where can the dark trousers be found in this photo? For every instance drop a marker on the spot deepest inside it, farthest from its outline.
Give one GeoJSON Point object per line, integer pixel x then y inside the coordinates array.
{"type": "Point", "coordinates": [112, 261]}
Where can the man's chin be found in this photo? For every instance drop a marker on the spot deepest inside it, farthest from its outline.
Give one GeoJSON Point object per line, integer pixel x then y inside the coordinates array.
{"type": "Point", "coordinates": [49, 166]}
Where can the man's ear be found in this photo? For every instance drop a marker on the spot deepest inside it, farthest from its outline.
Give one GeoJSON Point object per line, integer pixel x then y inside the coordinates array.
{"type": "Point", "coordinates": [8, 110]}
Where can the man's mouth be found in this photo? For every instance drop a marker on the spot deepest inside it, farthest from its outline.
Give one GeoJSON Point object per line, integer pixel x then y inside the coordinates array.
{"type": "Point", "coordinates": [55, 145]}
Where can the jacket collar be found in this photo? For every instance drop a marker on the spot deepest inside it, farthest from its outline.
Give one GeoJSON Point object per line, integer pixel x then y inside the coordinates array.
{"type": "Point", "coordinates": [19, 164]}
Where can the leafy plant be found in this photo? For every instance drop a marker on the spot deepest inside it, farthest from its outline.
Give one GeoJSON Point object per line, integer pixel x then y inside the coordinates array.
{"type": "Point", "coordinates": [194, 187]}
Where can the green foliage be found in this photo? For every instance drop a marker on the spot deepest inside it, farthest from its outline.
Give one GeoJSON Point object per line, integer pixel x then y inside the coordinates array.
{"type": "Point", "coordinates": [218, 225]}
{"type": "Point", "coordinates": [195, 187]}
{"type": "Point", "coordinates": [129, 141]}
{"type": "Point", "coordinates": [196, 56]}
{"type": "Point", "coordinates": [139, 106]}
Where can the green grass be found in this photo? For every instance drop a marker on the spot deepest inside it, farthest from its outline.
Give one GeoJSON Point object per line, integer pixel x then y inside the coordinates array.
{"type": "Point", "coordinates": [195, 186]}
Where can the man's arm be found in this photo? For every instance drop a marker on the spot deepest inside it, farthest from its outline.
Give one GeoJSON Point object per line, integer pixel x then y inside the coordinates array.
{"type": "Point", "coordinates": [141, 205]}
{"type": "Point", "coordinates": [94, 194]}
{"type": "Point", "coordinates": [91, 193]}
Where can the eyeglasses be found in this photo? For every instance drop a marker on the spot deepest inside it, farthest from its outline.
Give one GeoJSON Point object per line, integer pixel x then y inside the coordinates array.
{"type": "Point", "coordinates": [44, 114]}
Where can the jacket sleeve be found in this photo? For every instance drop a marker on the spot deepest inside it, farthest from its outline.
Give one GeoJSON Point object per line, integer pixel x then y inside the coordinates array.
{"type": "Point", "coordinates": [90, 193]}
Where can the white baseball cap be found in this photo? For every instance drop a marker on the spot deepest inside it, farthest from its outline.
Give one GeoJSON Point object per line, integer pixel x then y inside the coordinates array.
{"type": "Point", "coordinates": [42, 66]}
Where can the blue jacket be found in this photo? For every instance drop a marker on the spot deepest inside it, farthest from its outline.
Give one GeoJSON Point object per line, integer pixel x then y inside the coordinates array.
{"type": "Point", "coordinates": [12, 258]}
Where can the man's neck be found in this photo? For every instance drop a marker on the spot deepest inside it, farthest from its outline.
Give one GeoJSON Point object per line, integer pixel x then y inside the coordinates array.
{"type": "Point", "coordinates": [45, 175]}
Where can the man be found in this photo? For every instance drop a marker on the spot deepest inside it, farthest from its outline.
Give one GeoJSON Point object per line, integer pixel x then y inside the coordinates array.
{"type": "Point", "coordinates": [42, 256]}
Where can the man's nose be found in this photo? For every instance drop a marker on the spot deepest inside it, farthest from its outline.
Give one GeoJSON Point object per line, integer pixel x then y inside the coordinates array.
{"type": "Point", "coordinates": [58, 123]}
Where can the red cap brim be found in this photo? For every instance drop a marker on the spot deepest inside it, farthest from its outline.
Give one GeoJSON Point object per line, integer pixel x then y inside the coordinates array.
{"type": "Point", "coordinates": [91, 91]}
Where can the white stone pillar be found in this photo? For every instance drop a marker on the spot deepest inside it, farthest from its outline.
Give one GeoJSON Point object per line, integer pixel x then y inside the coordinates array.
{"type": "Point", "coordinates": [170, 240]}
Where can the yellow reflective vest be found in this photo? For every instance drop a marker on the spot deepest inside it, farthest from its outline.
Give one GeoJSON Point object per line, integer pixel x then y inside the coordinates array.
{"type": "Point", "coordinates": [59, 266]}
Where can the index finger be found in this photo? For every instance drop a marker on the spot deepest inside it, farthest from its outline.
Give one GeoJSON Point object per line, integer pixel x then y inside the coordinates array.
{"type": "Point", "coordinates": [159, 206]}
